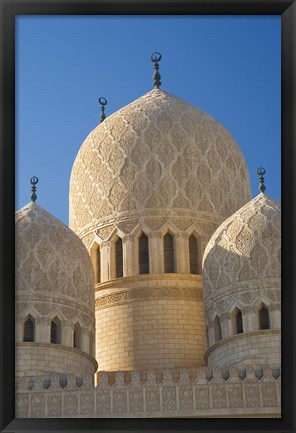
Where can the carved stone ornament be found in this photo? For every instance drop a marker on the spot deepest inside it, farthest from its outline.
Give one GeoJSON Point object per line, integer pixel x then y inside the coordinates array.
{"type": "Point", "coordinates": [148, 293]}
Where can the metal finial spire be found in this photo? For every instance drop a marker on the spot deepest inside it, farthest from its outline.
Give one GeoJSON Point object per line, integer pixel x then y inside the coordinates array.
{"type": "Point", "coordinates": [155, 58]}
{"type": "Point", "coordinates": [261, 172]}
{"type": "Point", "coordinates": [34, 180]}
{"type": "Point", "coordinates": [102, 102]}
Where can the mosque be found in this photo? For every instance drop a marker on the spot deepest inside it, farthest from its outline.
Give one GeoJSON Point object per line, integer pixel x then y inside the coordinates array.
{"type": "Point", "coordinates": [162, 297]}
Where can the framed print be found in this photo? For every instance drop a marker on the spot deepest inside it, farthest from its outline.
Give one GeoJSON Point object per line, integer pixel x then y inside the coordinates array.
{"type": "Point", "coordinates": [152, 146]}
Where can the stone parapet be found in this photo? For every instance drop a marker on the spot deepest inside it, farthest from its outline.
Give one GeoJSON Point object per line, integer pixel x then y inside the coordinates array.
{"type": "Point", "coordinates": [255, 394]}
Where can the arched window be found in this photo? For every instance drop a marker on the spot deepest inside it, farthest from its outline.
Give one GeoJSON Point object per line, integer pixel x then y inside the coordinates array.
{"type": "Point", "coordinates": [264, 318]}
{"type": "Point", "coordinates": [143, 255]}
{"type": "Point", "coordinates": [239, 322]}
{"type": "Point", "coordinates": [168, 242]}
{"type": "Point", "coordinates": [217, 329]}
{"type": "Point", "coordinates": [29, 330]}
{"type": "Point", "coordinates": [193, 256]}
{"type": "Point", "coordinates": [55, 331]}
{"type": "Point", "coordinates": [77, 336]}
{"type": "Point", "coordinates": [119, 258]}
{"type": "Point", "coordinates": [98, 265]}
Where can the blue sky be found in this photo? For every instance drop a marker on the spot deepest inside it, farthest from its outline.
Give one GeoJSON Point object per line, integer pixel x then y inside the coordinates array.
{"type": "Point", "coordinates": [228, 66]}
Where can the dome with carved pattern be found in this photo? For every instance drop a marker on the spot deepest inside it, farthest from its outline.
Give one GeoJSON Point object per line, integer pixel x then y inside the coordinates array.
{"type": "Point", "coordinates": [242, 261]}
{"type": "Point", "coordinates": [53, 268]}
{"type": "Point", "coordinates": [158, 155]}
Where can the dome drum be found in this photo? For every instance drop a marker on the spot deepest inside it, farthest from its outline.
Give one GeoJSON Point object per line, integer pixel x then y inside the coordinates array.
{"type": "Point", "coordinates": [33, 359]}
{"type": "Point", "coordinates": [156, 323]}
{"type": "Point", "coordinates": [255, 348]}
{"type": "Point", "coordinates": [187, 244]}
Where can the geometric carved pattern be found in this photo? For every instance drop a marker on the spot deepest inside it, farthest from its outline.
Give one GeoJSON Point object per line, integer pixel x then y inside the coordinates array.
{"type": "Point", "coordinates": [218, 388]}
{"type": "Point", "coordinates": [135, 391]}
{"type": "Point", "coordinates": [119, 394]}
{"type": "Point", "coordinates": [185, 391]}
{"type": "Point", "coordinates": [157, 152]}
{"type": "Point", "coordinates": [169, 398]}
{"type": "Point", "coordinates": [251, 388]}
{"type": "Point", "coordinates": [197, 397]}
{"type": "Point", "coordinates": [52, 264]}
{"type": "Point", "coordinates": [152, 392]}
{"type": "Point", "coordinates": [235, 389]}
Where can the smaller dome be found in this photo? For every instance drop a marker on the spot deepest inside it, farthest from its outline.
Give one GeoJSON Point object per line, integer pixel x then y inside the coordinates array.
{"type": "Point", "coordinates": [242, 270]}
{"type": "Point", "coordinates": [55, 314]}
{"type": "Point", "coordinates": [52, 265]}
{"type": "Point", "coordinates": [244, 253]}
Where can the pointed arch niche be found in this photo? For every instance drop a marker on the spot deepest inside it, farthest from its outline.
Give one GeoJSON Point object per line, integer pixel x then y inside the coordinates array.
{"type": "Point", "coordinates": [193, 243]}
{"type": "Point", "coordinates": [77, 336]}
{"type": "Point", "coordinates": [169, 253]}
{"type": "Point", "coordinates": [143, 255]}
{"type": "Point", "coordinates": [117, 259]}
{"type": "Point", "coordinates": [55, 331]}
{"type": "Point", "coordinates": [237, 321]}
{"type": "Point", "coordinates": [29, 329]}
{"type": "Point", "coordinates": [95, 254]}
{"type": "Point", "coordinates": [263, 317]}
{"type": "Point", "coordinates": [217, 329]}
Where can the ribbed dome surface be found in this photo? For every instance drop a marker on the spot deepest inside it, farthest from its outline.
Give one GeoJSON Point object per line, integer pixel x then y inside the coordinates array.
{"type": "Point", "coordinates": [242, 261]}
{"type": "Point", "coordinates": [157, 154]}
{"type": "Point", "coordinates": [52, 264]}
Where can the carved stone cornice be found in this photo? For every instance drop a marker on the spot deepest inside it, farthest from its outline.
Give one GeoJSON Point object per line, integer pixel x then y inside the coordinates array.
{"type": "Point", "coordinates": [249, 309]}
{"type": "Point", "coordinates": [105, 244]}
{"type": "Point", "coordinates": [128, 238]}
{"type": "Point", "coordinates": [225, 316]}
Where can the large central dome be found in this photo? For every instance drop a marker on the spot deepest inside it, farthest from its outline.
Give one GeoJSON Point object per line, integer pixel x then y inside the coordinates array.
{"type": "Point", "coordinates": [156, 155]}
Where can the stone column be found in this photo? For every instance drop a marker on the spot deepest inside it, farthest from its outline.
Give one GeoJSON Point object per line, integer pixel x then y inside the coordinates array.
{"type": "Point", "coordinates": [211, 333]}
{"type": "Point", "coordinates": [203, 242]}
{"type": "Point", "coordinates": [156, 257]}
{"type": "Point", "coordinates": [42, 330]}
{"type": "Point", "coordinates": [67, 329]}
{"type": "Point", "coordinates": [275, 316]}
{"type": "Point", "coordinates": [128, 245]}
{"type": "Point", "coordinates": [19, 330]}
{"type": "Point", "coordinates": [93, 256]}
{"type": "Point", "coordinates": [182, 253]}
{"type": "Point", "coordinates": [250, 322]}
{"type": "Point", "coordinates": [84, 340]}
{"type": "Point", "coordinates": [226, 325]}
{"type": "Point", "coordinates": [105, 261]}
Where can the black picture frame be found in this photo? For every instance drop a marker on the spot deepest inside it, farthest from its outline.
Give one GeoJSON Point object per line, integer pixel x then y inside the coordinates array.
{"type": "Point", "coordinates": [9, 10]}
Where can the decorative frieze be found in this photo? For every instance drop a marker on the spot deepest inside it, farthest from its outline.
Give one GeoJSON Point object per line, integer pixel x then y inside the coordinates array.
{"type": "Point", "coordinates": [146, 293]}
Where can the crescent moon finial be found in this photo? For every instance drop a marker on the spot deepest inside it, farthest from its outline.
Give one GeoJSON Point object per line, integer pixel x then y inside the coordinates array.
{"type": "Point", "coordinates": [33, 181]}
{"type": "Point", "coordinates": [261, 172]}
{"type": "Point", "coordinates": [103, 103]}
{"type": "Point", "coordinates": [155, 58]}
